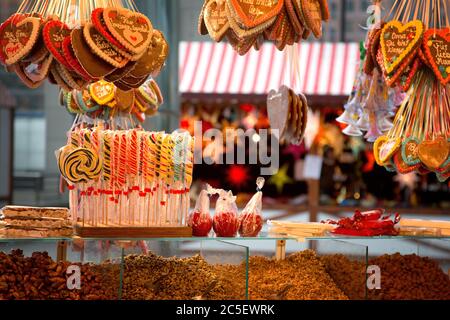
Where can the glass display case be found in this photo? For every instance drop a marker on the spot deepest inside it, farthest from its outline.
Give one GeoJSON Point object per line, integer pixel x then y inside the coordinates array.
{"type": "Point", "coordinates": [262, 268]}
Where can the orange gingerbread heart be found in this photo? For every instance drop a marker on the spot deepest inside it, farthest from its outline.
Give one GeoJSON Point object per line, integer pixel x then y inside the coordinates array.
{"type": "Point", "coordinates": [433, 153]}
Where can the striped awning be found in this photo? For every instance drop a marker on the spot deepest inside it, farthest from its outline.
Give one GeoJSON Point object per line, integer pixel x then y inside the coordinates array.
{"type": "Point", "coordinates": [325, 68]}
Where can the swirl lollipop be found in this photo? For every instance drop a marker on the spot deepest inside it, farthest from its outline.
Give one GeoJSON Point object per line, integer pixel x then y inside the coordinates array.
{"type": "Point", "coordinates": [82, 165]}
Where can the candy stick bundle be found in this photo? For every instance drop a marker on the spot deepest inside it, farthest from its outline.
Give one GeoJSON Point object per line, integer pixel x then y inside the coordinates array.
{"type": "Point", "coordinates": [127, 177]}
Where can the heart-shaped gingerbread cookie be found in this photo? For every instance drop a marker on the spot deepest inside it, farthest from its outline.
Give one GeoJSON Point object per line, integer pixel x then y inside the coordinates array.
{"type": "Point", "coordinates": [436, 45]}
{"type": "Point", "coordinates": [132, 29]}
{"type": "Point", "coordinates": [18, 35]}
{"type": "Point", "coordinates": [102, 48]}
{"type": "Point", "coordinates": [54, 33]}
{"type": "Point", "coordinates": [398, 41]}
{"type": "Point", "coordinates": [384, 148]}
{"type": "Point", "coordinates": [402, 166]}
{"type": "Point", "coordinates": [254, 13]}
{"type": "Point", "coordinates": [278, 110]}
{"type": "Point", "coordinates": [433, 153]}
{"type": "Point", "coordinates": [409, 151]}
{"type": "Point", "coordinates": [102, 92]}
{"type": "Point", "coordinates": [311, 14]}
{"type": "Point", "coordinates": [154, 57]}
{"type": "Point", "coordinates": [216, 20]}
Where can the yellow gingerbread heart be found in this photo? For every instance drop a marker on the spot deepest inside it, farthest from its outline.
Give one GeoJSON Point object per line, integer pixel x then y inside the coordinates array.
{"type": "Point", "coordinates": [398, 41]}
{"type": "Point", "coordinates": [384, 148]}
{"type": "Point", "coordinates": [102, 92]}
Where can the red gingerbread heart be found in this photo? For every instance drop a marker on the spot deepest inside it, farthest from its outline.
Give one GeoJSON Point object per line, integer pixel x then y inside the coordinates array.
{"type": "Point", "coordinates": [436, 46]}
{"type": "Point", "coordinates": [18, 35]}
{"type": "Point", "coordinates": [99, 23]}
{"type": "Point", "coordinates": [54, 33]}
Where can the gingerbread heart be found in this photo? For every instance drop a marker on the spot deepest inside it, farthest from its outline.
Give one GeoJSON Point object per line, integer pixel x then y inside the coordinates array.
{"type": "Point", "coordinates": [216, 20]}
{"type": "Point", "coordinates": [384, 148]}
{"type": "Point", "coordinates": [278, 109]}
{"type": "Point", "coordinates": [102, 48]}
{"type": "Point", "coordinates": [153, 59]}
{"type": "Point", "coordinates": [100, 25]}
{"type": "Point", "coordinates": [402, 166]}
{"type": "Point", "coordinates": [132, 29]}
{"type": "Point", "coordinates": [437, 51]}
{"type": "Point", "coordinates": [311, 14]}
{"type": "Point", "coordinates": [102, 92]}
{"type": "Point", "coordinates": [433, 153]}
{"type": "Point", "coordinates": [399, 41]}
{"type": "Point", "coordinates": [409, 151]}
{"type": "Point", "coordinates": [252, 13]}
{"type": "Point", "coordinates": [54, 33]}
{"type": "Point", "coordinates": [18, 35]}
{"type": "Point", "coordinates": [408, 74]}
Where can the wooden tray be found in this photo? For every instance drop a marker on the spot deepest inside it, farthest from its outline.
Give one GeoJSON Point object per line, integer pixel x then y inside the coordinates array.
{"type": "Point", "coordinates": [132, 232]}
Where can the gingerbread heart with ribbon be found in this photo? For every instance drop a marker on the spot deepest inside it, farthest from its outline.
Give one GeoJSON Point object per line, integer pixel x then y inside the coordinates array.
{"type": "Point", "coordinates": [132, 29]}
{"type": "Point", "coordinates": [398, 41]}
{"type": "Point", "coordinates": [436, 46]}
{"type": "Point", "coordinates": [18, 35]}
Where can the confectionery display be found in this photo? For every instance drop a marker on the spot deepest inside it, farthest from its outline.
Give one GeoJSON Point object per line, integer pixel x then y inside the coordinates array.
{"type": "Point", "coordinates": [406, 277]}
{"type": "Point", "coordinates": [127, 177]}
{"type": "Point", "coordinates": [152, 277]}
{"type": "Point", "coordinates": [301, 276]}
{"type": "Point", "coordinates": [247, 24]}
{"type": "Point", "coordinates": [130, 231]}
{"type": "Point", "coordinates": [105, 101]}
{"type": "Point", "coordinates": [41, 278]}
{"type": "Point", "coordinates": [45, 40]}
{"type": "Point", "coordinates": [29, 222]}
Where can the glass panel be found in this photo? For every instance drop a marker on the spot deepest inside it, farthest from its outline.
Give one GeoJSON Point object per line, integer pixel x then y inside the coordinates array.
{"type": "Point", "coordinates": [346, 263]}
{"type": "Point", "coordinates": [185, 270]}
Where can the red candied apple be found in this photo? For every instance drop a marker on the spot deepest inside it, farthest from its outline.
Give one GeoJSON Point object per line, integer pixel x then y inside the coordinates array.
{"type": "Point", "coordinates": [226, 224]}
{"type": "Point", "coordinates": [251, 225]}
{"type": "Point", "coordinates": [201, 223]}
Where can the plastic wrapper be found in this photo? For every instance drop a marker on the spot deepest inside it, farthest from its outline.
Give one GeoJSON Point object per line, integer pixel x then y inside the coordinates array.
{"type": "Point", "coordinates": [200, 219]}
{"type": "Point", "coordinates": [250, 219]}
{"type": "Point", "coordinates": [226, 221]}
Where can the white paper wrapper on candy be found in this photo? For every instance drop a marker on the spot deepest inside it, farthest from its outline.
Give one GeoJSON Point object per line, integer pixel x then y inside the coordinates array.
{"type": "Point", "coordinates": [200, 219]}
{"type": "Point", "coordinates": [250, 219]}
{"type": "Point", "coordinates": [226, 221]}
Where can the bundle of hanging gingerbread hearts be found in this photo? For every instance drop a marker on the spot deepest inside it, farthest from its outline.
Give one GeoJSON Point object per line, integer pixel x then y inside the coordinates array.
{"type": "Point", "coordinates": [416, 55]}
{"type": "Point", "coordinates": [247, 23]}
{"type": "Point", "coordinates": [399, 49]}
{"type": "Point", "coordinates": [103, 100]}
{"type": "Point", "coordinates": [115, 44]}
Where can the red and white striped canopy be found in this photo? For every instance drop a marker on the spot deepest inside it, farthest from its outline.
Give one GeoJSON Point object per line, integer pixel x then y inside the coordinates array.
{"type": "Point", "coordinates": [325, 68]}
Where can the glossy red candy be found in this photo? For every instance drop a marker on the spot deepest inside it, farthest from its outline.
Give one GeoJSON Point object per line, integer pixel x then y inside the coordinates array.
{"type": "Point", "coordinates": [225, 224]}
{"type": "Point", "coordinates": [201, 223]}
{"type": "Point", "coordinates": [251, 225]}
